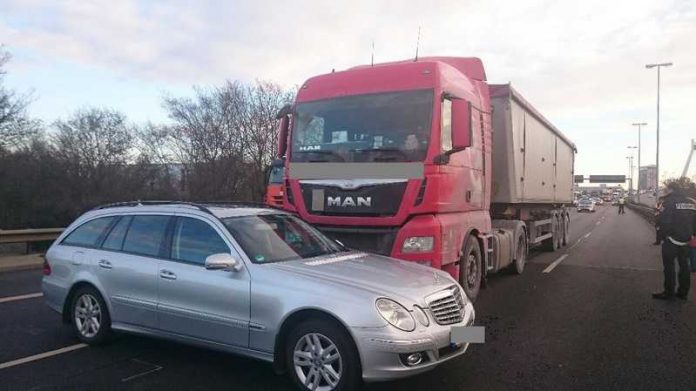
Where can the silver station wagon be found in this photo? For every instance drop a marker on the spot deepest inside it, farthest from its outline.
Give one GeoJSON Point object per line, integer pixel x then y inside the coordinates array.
{"type": "Point", "coordinates": [253, 281]}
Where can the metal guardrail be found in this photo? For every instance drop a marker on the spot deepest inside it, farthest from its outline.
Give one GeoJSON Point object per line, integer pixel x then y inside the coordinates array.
{"type": "Point", "coordinates": [29, 235]}
{"type": "Point", "coordinates": [647, 212]}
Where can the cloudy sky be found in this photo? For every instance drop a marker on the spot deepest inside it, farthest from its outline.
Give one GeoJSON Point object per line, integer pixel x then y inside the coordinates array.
{"type": "Point", "coordinates": [581, 63]}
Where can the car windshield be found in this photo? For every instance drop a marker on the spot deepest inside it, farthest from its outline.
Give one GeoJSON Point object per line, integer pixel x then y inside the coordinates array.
{"type": "Point", "coordinates": [279, 237]}
{"type": "Point", "coordinates": [392, 127]}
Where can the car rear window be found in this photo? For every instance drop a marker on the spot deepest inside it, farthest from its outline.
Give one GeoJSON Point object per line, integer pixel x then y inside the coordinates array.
{"type": "Point", "coordinates": [89, 233]}
{"type": "Point", "coordinates": [145, 235]}
{"type": "Point", "coordinates": [114, 241]}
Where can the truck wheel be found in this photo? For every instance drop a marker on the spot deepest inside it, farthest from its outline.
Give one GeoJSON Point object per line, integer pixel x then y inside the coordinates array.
{"type": "Point", "coordinates": [520, 253]}
{"type": "Point", "coordinates": [321, 356]}
{"type": "Point", "coordinates": [566, 230]}
{"type": "Point", "coordinates": [471, 268]}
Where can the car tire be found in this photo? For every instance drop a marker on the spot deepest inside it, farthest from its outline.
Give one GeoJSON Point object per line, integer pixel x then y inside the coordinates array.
{"type": "Point", "coordinates": [336, 345]}
{"type": "Point", "coordinates": [471, 268]}
{"type": "Point", "coordinates": [90, 317]}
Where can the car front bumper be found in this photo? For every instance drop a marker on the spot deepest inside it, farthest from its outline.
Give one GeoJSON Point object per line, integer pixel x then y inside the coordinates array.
{"type": "Point", "coordinates": [380, 348]}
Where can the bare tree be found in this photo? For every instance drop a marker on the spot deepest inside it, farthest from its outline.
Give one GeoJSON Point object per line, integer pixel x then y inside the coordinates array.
{"type": "Point", "coordinates": [16, 128]}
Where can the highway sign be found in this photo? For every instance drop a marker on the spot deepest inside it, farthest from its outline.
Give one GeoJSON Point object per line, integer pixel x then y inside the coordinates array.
{"type": "Point", "coordinates": [607, 178]}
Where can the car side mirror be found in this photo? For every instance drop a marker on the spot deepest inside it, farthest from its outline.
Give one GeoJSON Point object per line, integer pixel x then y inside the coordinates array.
{"type": "Point", "coordinates": [223, 261]}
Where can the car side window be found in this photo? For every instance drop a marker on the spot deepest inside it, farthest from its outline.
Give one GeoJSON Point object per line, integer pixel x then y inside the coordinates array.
{"type": "Point", "coordinates": [89, 233]}
{"type": "Point", "coordinates": [114, 241]}
{"type": "Point", "coordinates": [146, 234]}
{"type": "Point", "coordinates": [194, 240]}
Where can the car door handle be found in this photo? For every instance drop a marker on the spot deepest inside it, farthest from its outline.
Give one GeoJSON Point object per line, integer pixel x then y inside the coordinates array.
{"type": "Point", "coordinates": [167, 275]}
{"type": "Point", "coordinates": [103, 263]}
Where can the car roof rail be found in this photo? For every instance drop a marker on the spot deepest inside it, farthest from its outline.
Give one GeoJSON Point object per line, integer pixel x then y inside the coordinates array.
{"type": "Point", "coordinates": [154, 203]}
{"type": "Point", "coordinates": [237, 204]}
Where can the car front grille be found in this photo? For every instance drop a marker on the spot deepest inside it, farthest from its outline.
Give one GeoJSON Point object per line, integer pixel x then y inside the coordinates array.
{"type": "Point", "coordinates": [447, 307]}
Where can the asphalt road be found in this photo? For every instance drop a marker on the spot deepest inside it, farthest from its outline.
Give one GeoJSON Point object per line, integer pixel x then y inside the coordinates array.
{"type": "Point", "coordinates": [589, 323]}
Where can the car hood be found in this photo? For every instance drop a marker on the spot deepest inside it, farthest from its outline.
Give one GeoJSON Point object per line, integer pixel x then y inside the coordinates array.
{"type": "Point", "coordinates": [382, 276]}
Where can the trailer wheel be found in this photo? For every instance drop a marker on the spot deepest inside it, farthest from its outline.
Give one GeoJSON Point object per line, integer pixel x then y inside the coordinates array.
{"type": "Point", "coordinates": [471, 268]}
{"type": "Point", "coordinates": [520, 253]}
{"type": "Point", "coordinates": [558, 233]}
{"type": "Point", "coordinates": [553, 243]}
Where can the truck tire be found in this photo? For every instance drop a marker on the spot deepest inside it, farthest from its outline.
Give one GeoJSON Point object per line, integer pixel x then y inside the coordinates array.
{"type": "Point", "coordinates": [520, 260]}
{"type": "Point", "coordinates": [471, 268]}
{"type": "Point", "coordinates": [566, 229]}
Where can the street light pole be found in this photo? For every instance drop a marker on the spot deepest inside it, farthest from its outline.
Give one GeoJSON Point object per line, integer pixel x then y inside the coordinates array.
{"type": "Point", "coordinates": [639, 124]}
{"type": "Point", "coordinates": [657, 153]}
{"type": "Point", "coordinates": [630, 170]}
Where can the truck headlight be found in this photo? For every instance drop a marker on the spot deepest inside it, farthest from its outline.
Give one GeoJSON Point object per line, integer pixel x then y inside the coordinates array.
{"type": "Point", "coordinates": [418, 244]}
{"type": "Point", "coordinates": [395, 314]}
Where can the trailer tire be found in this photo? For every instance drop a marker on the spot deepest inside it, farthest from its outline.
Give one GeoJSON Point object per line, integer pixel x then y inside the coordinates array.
{"type": "Point", "coordinates": [471, 268]}
{"type": "Point", "coordinates": [558, 233]}
{"type": "Point", "coordinates": [551, 244]}
{"type": "Point", "coordinates": [520, 253]}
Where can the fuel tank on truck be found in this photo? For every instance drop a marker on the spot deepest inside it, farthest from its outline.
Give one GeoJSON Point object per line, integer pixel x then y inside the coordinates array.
{"type": "Point", "coordinates": [532, 160]}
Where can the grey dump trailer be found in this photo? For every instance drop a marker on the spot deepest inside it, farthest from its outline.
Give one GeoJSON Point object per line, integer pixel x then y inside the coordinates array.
{"type": "Point", "coordinates": [532, 180]}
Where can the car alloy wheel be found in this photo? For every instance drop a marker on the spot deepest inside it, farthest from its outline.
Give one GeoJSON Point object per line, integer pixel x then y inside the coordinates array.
{"type": "Point", "coordinates": [88, 316]}
{"type": "Point", "coordinates": [317, 362]}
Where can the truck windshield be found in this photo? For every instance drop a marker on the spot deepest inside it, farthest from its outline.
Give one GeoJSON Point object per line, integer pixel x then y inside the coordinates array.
{"type": "Point", "coordinates": [386, 127]}
{"type": "Point", "coordinates": [279, 237]}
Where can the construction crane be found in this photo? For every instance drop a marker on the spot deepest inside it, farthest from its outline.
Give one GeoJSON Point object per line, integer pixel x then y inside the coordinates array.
{"type": "Point", "coordinates": [688, 159]}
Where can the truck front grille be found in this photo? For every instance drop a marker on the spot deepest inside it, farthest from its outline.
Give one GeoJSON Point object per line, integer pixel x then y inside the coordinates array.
{"type": "Point", "coordinates": [447, 307]}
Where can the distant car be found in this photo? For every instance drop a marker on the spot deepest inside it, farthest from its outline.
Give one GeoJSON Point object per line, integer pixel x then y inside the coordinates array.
{"type": "Point", "coordinates": [598, 201]}
{"type": "Point", "coordinates": [586, 204]}
{"type": "Point", "coordinates": [257, 282]}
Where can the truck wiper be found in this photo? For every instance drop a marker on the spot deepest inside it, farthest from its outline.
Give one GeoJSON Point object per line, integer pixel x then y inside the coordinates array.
{"type": "Point", "coordinates": [329, 153]}
{"type": "Point", "coordinates": [392, 150]}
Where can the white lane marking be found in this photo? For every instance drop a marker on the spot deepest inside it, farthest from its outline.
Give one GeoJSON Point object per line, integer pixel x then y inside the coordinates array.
{"type": "Point", "coordinates": [42, 355]}
{"type": "Point", "coordinates": [20, 297]}
{"type": "Point", "coordinates": [555, 263]}
{"type": "Point", "coordinates": [155, 369]}
{"type": "Point", "coordinates": [587, 235]}
{"type": "Point", "coordinates": [576, 243]}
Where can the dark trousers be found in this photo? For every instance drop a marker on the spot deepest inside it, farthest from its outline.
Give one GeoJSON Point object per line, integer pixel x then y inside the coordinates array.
{"type": "Point", "coordinates": [669, 252]}
{"type": "Point", "coordinates": [621, 209]}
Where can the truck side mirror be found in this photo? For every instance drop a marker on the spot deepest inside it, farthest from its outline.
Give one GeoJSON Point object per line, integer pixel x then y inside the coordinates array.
{"type": "Point", "coordinates": [462, 131]}
{"type": "Point", "coordinates": [283, 129]}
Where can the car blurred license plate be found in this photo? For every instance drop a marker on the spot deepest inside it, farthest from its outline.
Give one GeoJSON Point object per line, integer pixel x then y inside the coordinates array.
{"type": "Point", "coordinates": [467, 334]}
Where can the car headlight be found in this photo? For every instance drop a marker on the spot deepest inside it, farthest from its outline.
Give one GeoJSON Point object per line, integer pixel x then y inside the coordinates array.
{"type": "Point", "coordinates": [395, 314]}
{"type": "Point", "coordinates": [421, 316]}
{"type": "Point", "coordinates": [418, 244]}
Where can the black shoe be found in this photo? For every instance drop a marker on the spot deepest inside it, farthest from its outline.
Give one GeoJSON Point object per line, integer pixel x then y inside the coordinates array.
{"type": "Point", "coordinates": [681, 296]}
{"type": "Point", "coordinates": [663, 296]}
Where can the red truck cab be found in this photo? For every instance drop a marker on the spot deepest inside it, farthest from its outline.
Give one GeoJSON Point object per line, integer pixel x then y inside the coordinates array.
{"type": "Point", "coordinates": [396, 159]}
